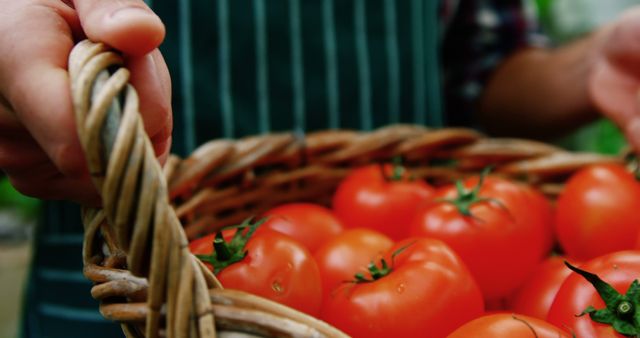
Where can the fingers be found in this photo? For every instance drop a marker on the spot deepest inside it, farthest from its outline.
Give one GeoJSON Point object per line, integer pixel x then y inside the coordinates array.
{"type": "Point", "coordinates": [615, 79]}
{"type": "Point", "coordinates": [34, 79]}
{"type": "Point", "coordinates": [9, 123]}
{"type": "Point", "coordinates": [150, 77]}
{"type": "Point", "coordinates": [18, 152]}
{"type": "Point", "coordinates": [614, 93]}
{"type": "Point", "coordinates": [31, 171]}
{"type": "Point", "coordinates": [623, 37]}
{"type": "Point", "coordinates": [42, 104]}
{"type": "Point", "coordinates": [39, 147]}
{"type": "Point", "coordinates": [128, 25]}
{"type": "Point", "coordinates": [44, 181]}
{"type": "Point", "coordinates": [632, 132]}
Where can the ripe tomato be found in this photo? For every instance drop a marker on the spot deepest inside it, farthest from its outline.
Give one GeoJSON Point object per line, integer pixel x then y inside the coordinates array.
{"type": "Point", "coordinates": [597, 212]}
{"type": "Point", "coordinates": [496, 227]}
{"type": "Point", "coordinates": [508, 325]}
{"type": "Point", "coordinates": [619, 269]}
{"type": "Point", "coordinates": [546, 213]}
{"type": "Point", "coordinates": [309, 224]}
{"type": "Point", "coordinates": [349, 253]}
{"type": "Point", "coordinates": [535, 296]}
{"type": "Point", "coordinates": [370, 197]}
{"type": "Point", "coordinates": [271, 265]}
{"type": "Point", "coordinates": [426, 292]}
{"type": "Point", "coordinates": [203, 246]}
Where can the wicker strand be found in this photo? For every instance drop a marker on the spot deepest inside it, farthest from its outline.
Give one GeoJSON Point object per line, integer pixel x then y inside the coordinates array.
{"type": "Point", "coordinates": [132, 185]}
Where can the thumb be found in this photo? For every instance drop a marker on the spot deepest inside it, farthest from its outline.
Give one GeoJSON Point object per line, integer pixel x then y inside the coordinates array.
{"type": "Point", "coordinates": [127, 25]}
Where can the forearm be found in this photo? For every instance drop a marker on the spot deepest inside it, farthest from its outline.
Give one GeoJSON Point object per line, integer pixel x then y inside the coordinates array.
{"type": "Point", "coordinates": [540, 92]}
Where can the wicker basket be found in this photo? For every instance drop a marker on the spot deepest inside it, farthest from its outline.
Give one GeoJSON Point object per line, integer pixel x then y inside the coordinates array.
{"type": "Point", "coordinates": [135, 248]}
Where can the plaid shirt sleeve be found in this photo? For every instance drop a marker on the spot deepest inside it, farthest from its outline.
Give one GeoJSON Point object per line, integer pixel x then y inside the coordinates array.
{"type": "Point", "coordinates": [476, 39]}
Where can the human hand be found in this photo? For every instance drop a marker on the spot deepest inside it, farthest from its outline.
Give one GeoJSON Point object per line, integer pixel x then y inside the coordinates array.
{"type": "Point", "coordinates": [39, 147]}
{"type": "Point", "coordinates": [614, 81]}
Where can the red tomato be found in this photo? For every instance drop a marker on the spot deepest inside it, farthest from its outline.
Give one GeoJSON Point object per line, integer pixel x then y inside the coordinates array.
{"type": "Point", "coordinates": [597, 212]}
{"type": "Point", "coordinates": [275, 267]}
{"type": "Point", "coordinates": [349, 253]}
{"type": "Point", "coordinates": [508, 325]}
{"type": "Point", "coordinates": [619, 269]}
{"type": "Point", "coordinates": [427, 293]}
{"type": "Point", "coordinates": [546, 213]}
{"type": "Point", "coordinates": [535, 297]}
{"type": "Point", "coordinates": [309, 224]}
{"type": "Point", "coordinates": [502, 238]}
{"type": "Point", "coordinates": [368, 198]}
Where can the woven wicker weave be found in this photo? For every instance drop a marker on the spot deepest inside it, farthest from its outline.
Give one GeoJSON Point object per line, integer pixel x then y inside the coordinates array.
{"type": "Point", "coordinates": [135, 248]}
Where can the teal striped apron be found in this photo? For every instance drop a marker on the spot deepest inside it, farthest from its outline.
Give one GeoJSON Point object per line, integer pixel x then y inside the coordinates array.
{"type": "Point", "coordinates": [242, 67]}
{"type": "Point", "coordinates": [256, 66]}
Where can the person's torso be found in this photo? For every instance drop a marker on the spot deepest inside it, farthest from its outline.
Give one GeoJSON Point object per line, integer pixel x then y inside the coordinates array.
{"type": "Point", "coordinates": [245, 67]}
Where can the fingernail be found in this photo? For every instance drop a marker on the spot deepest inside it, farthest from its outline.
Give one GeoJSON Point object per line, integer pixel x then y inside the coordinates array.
{"type": "Point", "coordinates": [132, 13]}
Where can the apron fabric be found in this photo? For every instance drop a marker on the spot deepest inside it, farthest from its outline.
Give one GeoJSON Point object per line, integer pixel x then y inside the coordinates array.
{"type": "Point", "coordinates": [247, 67]}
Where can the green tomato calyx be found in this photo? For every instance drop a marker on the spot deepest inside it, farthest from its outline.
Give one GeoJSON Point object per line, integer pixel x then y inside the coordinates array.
{"type": "Point", "coordinates": [620, 311]}
{"type": "Point", "coordinates": [226, 253]}
{"type": "Point", "coordinates": [398, 171]}
{"type": "Point", "coordinates": [376, 272]}
{"type": "Point", "coordinates": [466, 198]}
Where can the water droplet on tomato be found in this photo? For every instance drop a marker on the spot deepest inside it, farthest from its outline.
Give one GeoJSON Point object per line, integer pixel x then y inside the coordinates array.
{"type": "Point", "coordinates": [400, 288]}
{"type": "Point", "coordinates": [277, 287]}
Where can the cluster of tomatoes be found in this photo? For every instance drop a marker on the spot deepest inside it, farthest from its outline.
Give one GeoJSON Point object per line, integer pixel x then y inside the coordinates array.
{"type": "Point", "coordinates": [483, 257]}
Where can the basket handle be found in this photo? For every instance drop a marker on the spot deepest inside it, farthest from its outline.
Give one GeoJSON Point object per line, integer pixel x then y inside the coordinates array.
{"type": "Point", "coordinates": [136, 207]}
{"type": "Point", "coordinates": [147, 279]}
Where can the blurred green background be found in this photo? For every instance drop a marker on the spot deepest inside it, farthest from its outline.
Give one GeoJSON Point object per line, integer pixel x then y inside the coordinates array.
{"type": "Point", "coordinates": [23, 208]}
{"type": "Point", "coordinates": [18, 218]}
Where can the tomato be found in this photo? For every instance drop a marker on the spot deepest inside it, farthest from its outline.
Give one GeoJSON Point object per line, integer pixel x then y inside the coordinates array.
{"type": "Point", "coordinates": [348, 253]}
{"type": "Point", "coordinates": [546, 213]}
{"type": "Point", "coordinates": [619, 269]}
{"type": "Point", "coordinates": [597, 212]}
{"type": "Point", "coordinates": [535, 296]}
{"type": "Point", "coordinates": [496, 227]}
{"type": "Point", "coordinates": [508, 325]}
{"type": "Point", "coordinates": [203, 246]}
{"type": "Point", "coordinates": [426, 292]}
{"type": "Point", "coordinates": [369, 198]}
{"type": "Point", "coordinates": [271, 265]}
{"type": "Point", "coordinates": [309, 224]}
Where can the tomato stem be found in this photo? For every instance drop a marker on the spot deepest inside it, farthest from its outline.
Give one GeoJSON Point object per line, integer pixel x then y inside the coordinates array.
{"type": "Point", "coordinates": [398, 171]}
{"type": "Point", "coordinates": [465, 199]}
{"type": "Point", "coordinates": [220, 247]}
{"type": "Point", "coordinates": [226, 253]}
{"type": "Point", "coordinates": [620, 311]}
{"type": "Point", "coordinates": [625, 308]}
{"type": "Point", "coordinates": [634, 165]}
{"type": "Point", "coordinates": [378, 272]}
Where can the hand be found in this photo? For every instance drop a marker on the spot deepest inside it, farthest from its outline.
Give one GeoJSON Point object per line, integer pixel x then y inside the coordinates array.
{"type": "Point", "coordinates": [39, 147]}
{"type": "Point", "coordinates": [614, 83]}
